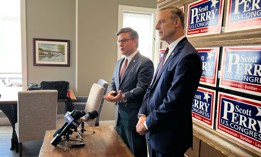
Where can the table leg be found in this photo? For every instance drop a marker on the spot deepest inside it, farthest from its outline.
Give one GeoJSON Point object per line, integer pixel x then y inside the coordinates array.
{"type": "Point", "coordinates": [11, 112]}
{"type": "Point", "coordinates": [68, 105]}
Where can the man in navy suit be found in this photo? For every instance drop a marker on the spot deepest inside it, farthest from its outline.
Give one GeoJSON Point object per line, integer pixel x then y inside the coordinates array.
{"type": "Point", "coordinates": [128, 89]}
{"type": "Point", "coordinates": [165, 115]}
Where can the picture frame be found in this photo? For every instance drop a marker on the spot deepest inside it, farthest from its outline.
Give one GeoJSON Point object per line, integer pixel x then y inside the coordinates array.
{"type": "Point", "coordinates": [51, 52]}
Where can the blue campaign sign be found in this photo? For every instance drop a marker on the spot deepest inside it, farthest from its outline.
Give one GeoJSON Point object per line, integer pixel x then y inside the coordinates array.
{"type": "Point", "coordinates": [240, 118]}
{"type": "Point", "coordinates": [209, 58]}
{"type": "Point", "coordinates": [203, 106]}
{"type": "Point", "coordinates": [204, 17]}
{"type": "Point", "coordinates": [243, 14]}
{"type": "Point", "coordinates": [241, 69]}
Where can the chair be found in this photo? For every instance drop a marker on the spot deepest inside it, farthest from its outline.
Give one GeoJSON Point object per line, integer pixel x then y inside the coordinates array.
{"type": "Point", "coordinates": [94, 101]}
{"type": "Point", "coordinates": [36, 113]}
{"type": "Point", "coordinates": [81, 101]}
{"type": "Point", "coordinates": [104, 84]}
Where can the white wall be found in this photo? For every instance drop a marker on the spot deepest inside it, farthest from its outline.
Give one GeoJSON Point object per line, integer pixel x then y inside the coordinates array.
{"type": "Point", "coordinates": [91, 23]}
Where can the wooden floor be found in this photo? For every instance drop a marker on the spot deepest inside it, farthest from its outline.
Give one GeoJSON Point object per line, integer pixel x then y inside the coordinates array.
{"type": "Point", "coordinates": [30, 149]}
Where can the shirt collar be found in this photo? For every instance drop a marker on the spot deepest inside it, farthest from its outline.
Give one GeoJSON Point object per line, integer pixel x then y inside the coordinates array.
{"type": "Point", "coordinates": [175, 43]}
{"type": "Point", "coordinates": [131, 56]}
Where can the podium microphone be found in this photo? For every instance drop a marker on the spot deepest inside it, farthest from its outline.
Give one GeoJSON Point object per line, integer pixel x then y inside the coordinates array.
{"type": "Point", "coordinates": [91, 115]}
{"type": "Point", "coordinates": [71, 123]}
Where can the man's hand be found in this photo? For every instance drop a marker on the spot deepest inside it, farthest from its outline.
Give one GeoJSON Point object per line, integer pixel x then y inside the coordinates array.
{"type": "Point", "coordinates": [114, 98]}
{"type": "Point", "coordinates": [140, 127]}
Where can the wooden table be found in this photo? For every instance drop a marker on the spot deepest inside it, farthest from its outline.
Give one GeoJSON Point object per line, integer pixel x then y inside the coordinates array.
{"type": "Point", "coordinates": [8, 104]}
{"type": "Point", "coordinates": [105, 142]}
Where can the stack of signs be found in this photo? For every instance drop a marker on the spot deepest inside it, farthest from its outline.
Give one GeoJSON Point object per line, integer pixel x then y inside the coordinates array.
{"type": "Point", "coordinates": [240, 70]}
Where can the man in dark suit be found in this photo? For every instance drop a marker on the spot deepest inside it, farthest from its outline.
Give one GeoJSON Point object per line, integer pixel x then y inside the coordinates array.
{"type": "Point", "coordinates": [165, 115]}
{"type": "Point", "coordinates": [128, 89]}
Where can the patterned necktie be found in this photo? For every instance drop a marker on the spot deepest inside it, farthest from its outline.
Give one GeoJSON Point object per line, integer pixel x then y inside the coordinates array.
{"type": "Point", "coordinates": [162, 60]}
{"type": "Point", "coordinates": [123, 67]}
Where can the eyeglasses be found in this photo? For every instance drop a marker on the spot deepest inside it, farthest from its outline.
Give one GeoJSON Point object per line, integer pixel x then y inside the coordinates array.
{"type": "Point", "coordinates": [123, 41]}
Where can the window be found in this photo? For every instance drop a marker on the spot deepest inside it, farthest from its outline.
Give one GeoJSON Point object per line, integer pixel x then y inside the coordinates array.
{"type": "Point", "coordinates": [142, 20]}
{"type": "Point", "coordinates": [10, 43]}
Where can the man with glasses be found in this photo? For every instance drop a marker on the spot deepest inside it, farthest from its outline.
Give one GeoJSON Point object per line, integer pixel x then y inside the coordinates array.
{"type": "Point", "coordinates": [132, 75]}
{"type": "Point", "coordinates": [165, 115]}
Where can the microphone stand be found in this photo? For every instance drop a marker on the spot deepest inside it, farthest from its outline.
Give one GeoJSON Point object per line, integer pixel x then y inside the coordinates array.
{"type": "Point", "coordinates": [66, 139]}
{"type": "Point", "coordinates": [83, 129]}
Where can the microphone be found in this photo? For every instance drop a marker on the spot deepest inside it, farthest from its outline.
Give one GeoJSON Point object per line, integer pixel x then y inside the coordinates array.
{"type": "Point", "coordinates": [71, 119]}
{"type": "Point", "coordinates": [91, 115]}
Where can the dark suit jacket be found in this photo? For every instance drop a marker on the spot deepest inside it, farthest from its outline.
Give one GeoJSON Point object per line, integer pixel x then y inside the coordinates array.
{"type": "Point", "coordinates": [168, 101]}
{"type": "Point", "coordinates": [133, 84]}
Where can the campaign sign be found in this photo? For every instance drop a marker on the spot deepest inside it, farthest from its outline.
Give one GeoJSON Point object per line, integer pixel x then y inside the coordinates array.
{"type": "Point", "coordinates": [204, 17]}
{"type": "Point", "coordinates": [243, 14]}
{"type": "Point", "coordinates": [241, 69]}
{"type": "Point", "coordinates": [209, 58]}
{"type": "Point", "coordinates": [240, 118]}
{"type": "Point", "coordinates": [203, 106]}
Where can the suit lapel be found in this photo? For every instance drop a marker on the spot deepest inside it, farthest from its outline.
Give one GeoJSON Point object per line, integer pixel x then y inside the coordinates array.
{"type": "Point", "coordinates": [117, 77]}
{"type": "Point", "coordinates": [171, 57]}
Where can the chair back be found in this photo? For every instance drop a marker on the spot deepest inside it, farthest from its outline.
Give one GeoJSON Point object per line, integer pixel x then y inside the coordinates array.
{"type": "Point", "coordinates": [36, 113]}
{"type": "Point", "coordinates": [94, 100]}
{"type": "Point", "coordinates": [104, 84]}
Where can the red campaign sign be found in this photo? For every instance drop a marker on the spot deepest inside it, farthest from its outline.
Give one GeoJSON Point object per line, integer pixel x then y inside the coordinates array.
{"type": "Point", "coordinates": [209, 58]}
{"type": "Point", "coordinates": [204, 17]}
{"type": "Point", "coordinates": [242, 15]}
{"type": "Point", "coordinates": [241, 69]}
{"type": "Point", "coordinates": [240, 118]}
{"type": "Point", "coordinates": [203, 106]}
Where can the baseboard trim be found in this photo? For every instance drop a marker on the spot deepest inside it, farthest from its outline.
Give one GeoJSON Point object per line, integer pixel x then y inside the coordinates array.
{"type": "Point", "coordinates": [107, 123]}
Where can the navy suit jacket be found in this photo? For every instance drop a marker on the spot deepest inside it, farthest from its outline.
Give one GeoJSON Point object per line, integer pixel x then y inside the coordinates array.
{"type": "Point", "coordinates": [133, 84]}
{"type": "Point", "coordinates": [168, 101]}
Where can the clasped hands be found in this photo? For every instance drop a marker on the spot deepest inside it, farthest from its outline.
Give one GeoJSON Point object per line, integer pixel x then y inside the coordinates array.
{"type": "Point", "coordinates": [113, 97]}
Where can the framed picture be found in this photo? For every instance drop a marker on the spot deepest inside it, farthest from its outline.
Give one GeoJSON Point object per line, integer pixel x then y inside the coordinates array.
{"type": "Point", "coordinates": [51, 52]}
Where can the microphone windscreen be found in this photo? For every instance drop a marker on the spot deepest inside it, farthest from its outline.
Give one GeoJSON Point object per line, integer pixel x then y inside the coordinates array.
{"type": "Point", "coordinates": [93, 114]}
{"type": "Point", "coordinates": [83, 112]}
{"type": "Point", "coordinates": [77, 115]}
